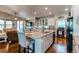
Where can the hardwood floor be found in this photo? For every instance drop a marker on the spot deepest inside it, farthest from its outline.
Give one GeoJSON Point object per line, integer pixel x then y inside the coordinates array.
{"type": "Point", "coordinates": [59, 41]}
{"type": "Point", "coordinates": [13, 47]}
{"type": "Point", "coordinates": [9, 48]}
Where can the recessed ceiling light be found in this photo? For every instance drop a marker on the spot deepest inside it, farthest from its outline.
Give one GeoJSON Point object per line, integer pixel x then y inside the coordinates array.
{"type": "Point", "coordinates": [50, 13]}
{"type": "Point", "coordinates": [46, 8]}
{"type": "Point", "coordinates": [35, 12]}
{"type": "Point", "coordinates": [66, 9]}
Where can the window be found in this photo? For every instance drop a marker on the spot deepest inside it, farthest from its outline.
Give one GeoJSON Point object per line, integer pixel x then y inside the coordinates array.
{"type": "Point", "coordinates": [9, 24]}
{"type": "Point", "coordinates": [1, 24]}
{"type": "Point", "coordinates": [61, 23]}
{"type": "Point", "coordinates": [20, 26]}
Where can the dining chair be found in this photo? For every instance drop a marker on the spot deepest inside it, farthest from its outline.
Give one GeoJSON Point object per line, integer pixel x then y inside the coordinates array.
{"type": "Point", "coordinates": [12, 41]}
{"type": "Point", "coordinates": [25, 42]}
{"type": "Point", "coordinates": [12, 36]}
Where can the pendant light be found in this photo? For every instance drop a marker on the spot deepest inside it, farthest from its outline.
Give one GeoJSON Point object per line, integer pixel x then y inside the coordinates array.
{"type": "Point", "coordinates": [15, 16]}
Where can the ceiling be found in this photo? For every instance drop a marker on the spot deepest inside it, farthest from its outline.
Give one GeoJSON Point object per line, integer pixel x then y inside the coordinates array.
{"type": "Point", "coordinates": [25, 11]}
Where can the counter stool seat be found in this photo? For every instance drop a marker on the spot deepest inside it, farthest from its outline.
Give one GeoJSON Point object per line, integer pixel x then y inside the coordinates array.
{"type": "Point", "coordinates": [31, 42]}
{"type": "Point", "coordinates": [25, 42]}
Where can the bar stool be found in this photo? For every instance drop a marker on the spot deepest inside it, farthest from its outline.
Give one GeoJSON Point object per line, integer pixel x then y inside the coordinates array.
{"type": "Point", "coordinates": [25, 42]}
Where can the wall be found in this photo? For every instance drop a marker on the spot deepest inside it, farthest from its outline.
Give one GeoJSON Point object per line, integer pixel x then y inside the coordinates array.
{"type": "Point", "coordinates": [76, 20]}
{"type": "Point", "coordinates": [75, 13]}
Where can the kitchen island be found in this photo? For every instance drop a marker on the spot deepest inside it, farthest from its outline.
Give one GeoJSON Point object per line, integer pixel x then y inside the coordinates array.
{"type": "Point", "coordinates": [43, 40]}
{"type": "Point", "coordinates": [76, 43]}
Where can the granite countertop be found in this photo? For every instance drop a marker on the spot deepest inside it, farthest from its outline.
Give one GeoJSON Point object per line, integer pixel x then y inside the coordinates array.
{"type": "Point", "coordinates": [76, 39]}
{"type": "Point", "coordinates": [38, 34]}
